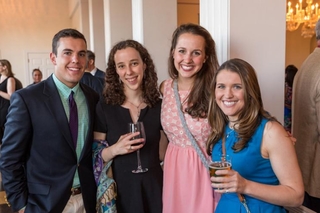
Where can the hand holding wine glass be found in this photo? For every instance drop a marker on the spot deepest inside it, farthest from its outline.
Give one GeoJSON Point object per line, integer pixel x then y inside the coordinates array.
{"type": "Point", "coordinates": [138, 127]}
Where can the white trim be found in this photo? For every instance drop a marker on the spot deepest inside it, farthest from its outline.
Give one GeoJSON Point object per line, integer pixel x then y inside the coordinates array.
{"type": "Point", "coordinates": [91, 30]}
{"type": "Point", "coordinates": [215, 17]}
{"type": "Point", "coordinates": [137, 20]}
{"type": "Point", "coordinates": [107, 28]}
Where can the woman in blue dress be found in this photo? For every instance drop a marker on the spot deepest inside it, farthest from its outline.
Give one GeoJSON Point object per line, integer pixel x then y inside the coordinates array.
{"type": "Point", "coordinates": [264, 170]}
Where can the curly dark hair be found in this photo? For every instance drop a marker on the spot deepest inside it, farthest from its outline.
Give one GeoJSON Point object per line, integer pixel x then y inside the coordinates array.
{"type": "Point", "coordinates": [114, 89]}
{"type": "Point", "coordinates": [198, 99]}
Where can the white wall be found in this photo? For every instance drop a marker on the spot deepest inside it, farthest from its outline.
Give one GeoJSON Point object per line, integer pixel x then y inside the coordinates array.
{"type": "Point", "coordinates": [257, 35]}
{"type": "Point", "coordinates": [29, 26]}
{"type": "Point", "coordinates": [160, 20]}
{"type": "Point", "coordinates": [119, 13]}
{"type": "Point", "coordinates": [97, 36]}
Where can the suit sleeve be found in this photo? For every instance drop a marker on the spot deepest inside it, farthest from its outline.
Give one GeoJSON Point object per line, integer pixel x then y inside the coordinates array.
{"type": "Point", "coordinates": [317, 107]}
{"type": "Point", "coordinates": [15, 146]}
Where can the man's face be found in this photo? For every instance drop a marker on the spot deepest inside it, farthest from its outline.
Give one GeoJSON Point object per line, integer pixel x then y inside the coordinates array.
{"type": "Point", "coordinates": [70, 61]}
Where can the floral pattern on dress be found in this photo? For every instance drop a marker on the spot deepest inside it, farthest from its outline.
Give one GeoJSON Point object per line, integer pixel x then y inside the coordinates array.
{"type": "Point", "coordinates": [170, 120]}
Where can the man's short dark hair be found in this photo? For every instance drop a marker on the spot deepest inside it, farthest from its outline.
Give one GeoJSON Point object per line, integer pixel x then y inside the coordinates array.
{"type": "Point", "coordinates": [91, 55]}
{"type": "Point", "coordinates": [65, 33]}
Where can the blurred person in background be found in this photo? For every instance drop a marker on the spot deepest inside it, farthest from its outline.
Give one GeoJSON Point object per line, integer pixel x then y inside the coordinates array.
{"type": "Point", "coordinates": [92, 67]}
{"type": "Point", "coordinates": [7, 87]}
{"type": "Point", "coordinates": [291, 71]}
{"type": "Point", "coordinates": [36, 76]}
{"type": "Point", "coordinates": [306, 124]}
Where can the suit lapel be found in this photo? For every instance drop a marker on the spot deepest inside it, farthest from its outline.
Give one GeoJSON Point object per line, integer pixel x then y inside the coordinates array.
{"type": "Point", "coordinates": [91, 109]}
{"type": "Point", "coordinates": [57, 110]}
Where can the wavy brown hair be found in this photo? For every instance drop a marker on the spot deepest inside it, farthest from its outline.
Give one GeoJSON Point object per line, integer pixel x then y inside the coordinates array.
{"type": "Point", "coordinates": [200, 92]}
{"type": "Point", "coordinates": [6, 63]}
{"type": "Point", "coordinates": [251, 114]}
{"type": "Point", "coordinates": [114, 89]}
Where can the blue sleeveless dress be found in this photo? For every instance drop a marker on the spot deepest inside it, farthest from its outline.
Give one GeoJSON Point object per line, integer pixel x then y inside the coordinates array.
{"type": "Point", "coordinates": [250, 165]}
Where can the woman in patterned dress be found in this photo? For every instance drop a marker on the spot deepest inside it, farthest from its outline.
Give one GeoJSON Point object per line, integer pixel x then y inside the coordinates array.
{"type": "Point", "coordinates": [192, 63]}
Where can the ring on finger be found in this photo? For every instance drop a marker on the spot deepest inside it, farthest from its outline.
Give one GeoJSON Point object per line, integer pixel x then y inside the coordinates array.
{"type": "Point", "coordinates": [130, 147]}
{"type": "Point", "coordinates": [227, 190]}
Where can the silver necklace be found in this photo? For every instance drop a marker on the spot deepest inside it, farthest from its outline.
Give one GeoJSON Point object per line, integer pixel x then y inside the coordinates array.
{"type": "Point", "coordinates": [228, 134]}
{"type": "Point", "coordinates": [138, 108]}
{"type": "Point", "coordinates": [231, 130]}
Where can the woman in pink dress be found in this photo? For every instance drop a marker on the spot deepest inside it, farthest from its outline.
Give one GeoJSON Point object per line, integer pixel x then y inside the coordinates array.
{"type": "Point", "coordinates": [192, 63]}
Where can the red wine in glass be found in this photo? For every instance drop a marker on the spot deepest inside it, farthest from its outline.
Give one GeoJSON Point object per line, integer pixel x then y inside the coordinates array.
{"type": "Point", "coordinates": [138, 127]}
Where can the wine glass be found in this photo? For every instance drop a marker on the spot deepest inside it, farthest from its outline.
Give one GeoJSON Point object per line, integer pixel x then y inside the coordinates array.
{"type": "Point", "coordinates": [138, 127]}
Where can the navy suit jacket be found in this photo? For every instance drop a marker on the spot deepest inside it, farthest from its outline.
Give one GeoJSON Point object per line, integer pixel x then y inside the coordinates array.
{"type": "Point", "coordinates": [95, 83]}
{"type": "Point", "coordinates": [38, 160]}
{"type": "Point", "coordinates": [100, 74]}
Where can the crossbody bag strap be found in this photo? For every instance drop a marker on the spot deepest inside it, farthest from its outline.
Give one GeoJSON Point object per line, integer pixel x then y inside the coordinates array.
{"type": "Point", "coordinates": [184, 124]}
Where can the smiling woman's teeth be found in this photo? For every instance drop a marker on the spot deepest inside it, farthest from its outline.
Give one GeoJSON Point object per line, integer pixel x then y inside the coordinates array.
{"type": "Point", "coordinates": [229, 103]}
{"type": "Point", "coordinates": [131, 79]}
{"type": "Point", "coordinates": [186, 67]}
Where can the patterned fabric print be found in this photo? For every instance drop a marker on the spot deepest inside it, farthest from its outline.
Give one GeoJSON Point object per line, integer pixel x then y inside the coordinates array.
{"type": "Point", "coordinates": [288, 96]}
{"type": "Point", "coordinates": [287, 108]}
{"type": "Point", "coordinates": [106, 203]}
{"type": "Point", "coordinates": [170, 120]}
{"type": "Point", "coordinates": [106, 186]}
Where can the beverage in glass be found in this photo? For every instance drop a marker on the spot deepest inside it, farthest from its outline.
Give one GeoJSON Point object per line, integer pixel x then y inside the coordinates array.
{"type": "Point", "coordinates": [138, 127]}
{"type": "Point", "coordinates": [224, 163]}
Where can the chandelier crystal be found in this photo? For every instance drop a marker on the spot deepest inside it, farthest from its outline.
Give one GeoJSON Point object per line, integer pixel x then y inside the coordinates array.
{"type": "Point", "coordinates": [307, 16]}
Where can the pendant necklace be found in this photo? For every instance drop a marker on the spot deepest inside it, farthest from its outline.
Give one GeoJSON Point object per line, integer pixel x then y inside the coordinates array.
{"type": "Point", "coordinates": [231, 130]}
{"type": "Point", "coordinates": [229, 133]}
{"type": "Point", "coordinates": [138, 108]}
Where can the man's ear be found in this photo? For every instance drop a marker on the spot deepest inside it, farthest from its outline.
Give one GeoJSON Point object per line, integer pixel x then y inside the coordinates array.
{"type": "Point", "coordinates": [53, 58]}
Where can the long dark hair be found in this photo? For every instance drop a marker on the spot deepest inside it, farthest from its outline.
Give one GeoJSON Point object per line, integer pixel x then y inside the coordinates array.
{"type": "Point", "coordinates": [291, 71]}
{"type": "Point", "coordinates": [6, 63]}
{"type": "Point", "coordinates": [200, 92]}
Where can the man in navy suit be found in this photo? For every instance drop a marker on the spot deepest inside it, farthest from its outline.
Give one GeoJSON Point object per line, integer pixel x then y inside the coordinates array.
{"type": "Point", "coordinates": [95, 83]}
{"type": "Point", "coordinates": [91, 67]}
{"type": "Point", "coordinates": [44, 167]}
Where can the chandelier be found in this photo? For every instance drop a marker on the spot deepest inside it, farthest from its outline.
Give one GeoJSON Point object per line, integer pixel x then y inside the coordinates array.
{"type": "Point", "coordinates": [307, 16]}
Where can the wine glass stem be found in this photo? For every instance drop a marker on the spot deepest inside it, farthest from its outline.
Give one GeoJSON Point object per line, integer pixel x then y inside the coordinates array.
{"type": "Point", "coordinates": [139, 161]}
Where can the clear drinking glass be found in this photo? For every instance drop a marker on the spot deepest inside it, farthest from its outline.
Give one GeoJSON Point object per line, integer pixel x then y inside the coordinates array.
{"type": "Point", "coordinates": [138, 127]}
{"type": "Point", "coordinates": [224, 163]}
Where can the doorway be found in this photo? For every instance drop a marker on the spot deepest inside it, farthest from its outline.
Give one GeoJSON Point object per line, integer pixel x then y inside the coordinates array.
{"type": "Point", "coordinates": [40, 60]}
